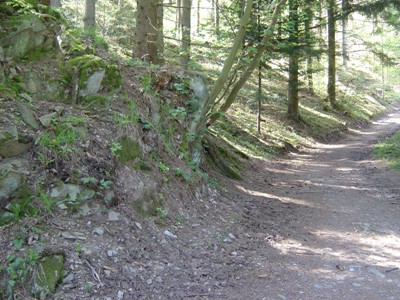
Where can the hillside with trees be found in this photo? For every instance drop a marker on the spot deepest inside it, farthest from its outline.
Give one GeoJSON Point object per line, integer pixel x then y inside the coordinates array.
{"type": "Point", "coordinates": [156, 149]}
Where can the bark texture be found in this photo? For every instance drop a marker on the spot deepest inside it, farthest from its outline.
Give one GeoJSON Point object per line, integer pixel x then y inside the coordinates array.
{"type": "Point", "coordinates": [146, 31]}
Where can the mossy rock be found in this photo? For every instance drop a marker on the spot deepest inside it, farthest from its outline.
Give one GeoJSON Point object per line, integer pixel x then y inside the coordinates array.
{"type": "Point", "coordinates": [28, 33]}
{"type": "Point", "coordinates": [92, 74]}
{"type": "Point", "coordinates": [219, 156]}
{"type": "Point", "coordinates": [48, 273]}
{"type": "Point", "coordinates": [147, 205]}
{"type": "Point", "coordinates": [130, 149]}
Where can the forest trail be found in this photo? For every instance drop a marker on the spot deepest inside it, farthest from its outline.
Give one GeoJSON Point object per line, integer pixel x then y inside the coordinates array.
{"type": "Point", "coordinates": [323, 224]}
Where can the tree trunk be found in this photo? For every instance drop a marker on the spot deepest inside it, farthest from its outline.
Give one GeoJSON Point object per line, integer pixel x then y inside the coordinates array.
{"type": "Point", "coordinates": [308, 36]}
{"type": "Point", "coordinates": [160, 33]}
{"type": "Point", "coordinates": [293, 84]}
{"type": "Point", "coordinates": [331, 53]}
{"type": "Point", "coordinates": [90, 15]}
{"type": "Point", "coordinates": [217, 17]}
{"type": "Point", "coordinates": [178, 22]}
{"type": "Point", "coordinates": [254, 63]}
{"type": "Point", "coordinates": [345, 7]}
{"type": "Point", "coordinates": [55, 3]}
{"type": "Point", "coordinates": [186, 28]}
{"type": "Point", "coordinates": [146, 31]}
{"type": "Point", "coordinates": [198, 16]}
{"type": "Point", "coordinates": [219, 84]}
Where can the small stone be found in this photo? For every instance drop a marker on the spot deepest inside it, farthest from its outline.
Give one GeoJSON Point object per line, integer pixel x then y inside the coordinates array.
{"type": "Point", "coordinates": [227, 240]}
{"type": "Point", "coordinates": [120, 294]}
{"type": "Point", "coordinates": [84, 210]}
{"type": "Point", "coordinates": [231, 236]}
{"type": "Point", "coordinates": [234, 253]}
{"type": "Point", "coordinates": [107, 273]}
{"type": "Point", "coordinates": [113, 216]}
{"type": "Point", "coordinates": [354, 268]}
{"type": "Point", "coordinates": [111, 253]}
{"type": "Point", "coordinates": [99, 230]}
{"type": "Point", "coordinates": [149, 281]}
{"type": "Point", "coordinates": [69, 278]}
{"type": "Point", "coordinates": [376, 272]}
{"type": "Point", "coordinates": [27, 115]}
{"type": "Point", "coordinates": [46, 119]}
{"type": "Point", "coordinates": [170, 234]}
{"type": "Point", "coordinates": [62, 206]}
{"type": "Point", "coordinates": [138, 225]}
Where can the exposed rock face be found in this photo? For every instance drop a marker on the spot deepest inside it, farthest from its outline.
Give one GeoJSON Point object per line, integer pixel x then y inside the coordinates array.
{"type": "Point", "coordinates": [47, 274]}
{"type": "Point", "coordinates": [140, 190]}
{"type": "Point", "coordinates": [30, 34]}
{"type": "Point", "coordinates": [93, 84]}
{"type": "Point", "coordinates": [10, 143]}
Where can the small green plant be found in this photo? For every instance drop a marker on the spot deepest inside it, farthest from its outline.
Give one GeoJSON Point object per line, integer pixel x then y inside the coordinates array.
{"type": "Point", "coordinates": [115, 148]}
{"type": "Point", "coordinates": [78, 248]}
{"type": "Point", "coordinates": [127, 119]}
{"type": "Point", "coordinates": [47, 202]}
{"type": "Point", "coordinates": [178, 113]}
{"type": "Point", "coordinates": [89, 181]}
{"type": "Point", "coordinates": [179, 219]}
{"type": "Point", "coordinates": [181, 173]}
{"type": "Point", "coordinates": [17, 268]}
{"type": "Point", "coordinates": [146, 84]}
{"type": "Point", "coordinates": [21, 205]}
{"type": "Point", "coordinates": [162, 213]}
{"type": "Point", "coordinates": [163, 167]}
{"type": "Point", "coordinates": [181, 88]}
{"type": "Point", "coordinates": [105, 184]}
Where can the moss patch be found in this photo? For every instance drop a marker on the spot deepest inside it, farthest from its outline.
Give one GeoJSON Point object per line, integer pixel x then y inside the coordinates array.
{"type": "Point", "coordinates": [48, 274]}
{"type": "Point", "coordinates": [129, 151]}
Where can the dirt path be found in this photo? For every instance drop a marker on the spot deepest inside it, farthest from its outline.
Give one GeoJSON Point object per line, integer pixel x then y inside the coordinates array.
{"type": "Point", "coordinates": [324, 224]}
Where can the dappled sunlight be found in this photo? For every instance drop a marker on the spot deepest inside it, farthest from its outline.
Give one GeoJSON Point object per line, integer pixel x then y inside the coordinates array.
{"type": "Point", "coordinates": [351, 251]}
{"type": "Point", "coordinates": [321, 114]}
{"type": "Point", "coordinates": [276, 197]}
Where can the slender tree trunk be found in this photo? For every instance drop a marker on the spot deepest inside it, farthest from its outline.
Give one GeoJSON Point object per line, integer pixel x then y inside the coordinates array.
{"type": "Point", "coordinates": [90, 15]}
{"type": "Point", "coordinates": [178, 23]}
{"type": "Point", "coordinates": [186, 28]}
{"type": "Point", "coordinates": [217, 17]}
{"type": "Point", "coordinates": [259, 93]}
{"type": "Point", "coordinates": [219, 84]}
{"type": "Point", "coordinates": [293, 84]}
{"type": "Point", "coordinates": [198, 16]}
{"type": "Point", "coordinates": [331, 53]}
{"type": "Point", "coordinates": [160, 32]}
{"type": "Point", "coordinates": [55, 3]}
{"type": "Point", "coordinates": [259, 98]}
{"type": "Point", "coordinates": [146, 31]}
{"type": "Point", "coordinates": [253, 65]}
{"type": "Point", "coordinates": [308, 36]}
{"type": "Point", "coordinates": [345, 6]}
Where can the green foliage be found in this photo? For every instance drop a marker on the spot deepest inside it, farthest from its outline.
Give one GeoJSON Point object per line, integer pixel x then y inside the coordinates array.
{"type": "Point", "coordinates": [20, 206]}
{"type": "Point", "coordinates": [388, 150]}
{"type": "Point", "coordinates": [17, 268]}
{"type": "Point", "coordinates": [47, 201]}
{"type": "Point", "coordinates": [127, 119]}
{"type": "Point", "coordinates": [61, 140]}
{"type": "Point", "coordinates": [146, 84]}
{"type": "Point", "coordinates": [178, 113]}
{"type": "Point", "coordinates": [115, 148]}
{"type": "Point", "coordinates": [126, 149]}
{"type": "Point", "coordinates": [163, 167]}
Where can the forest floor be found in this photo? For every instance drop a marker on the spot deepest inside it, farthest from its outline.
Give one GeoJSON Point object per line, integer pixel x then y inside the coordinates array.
{"type": "Point", "coordinates": [321, 223]}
